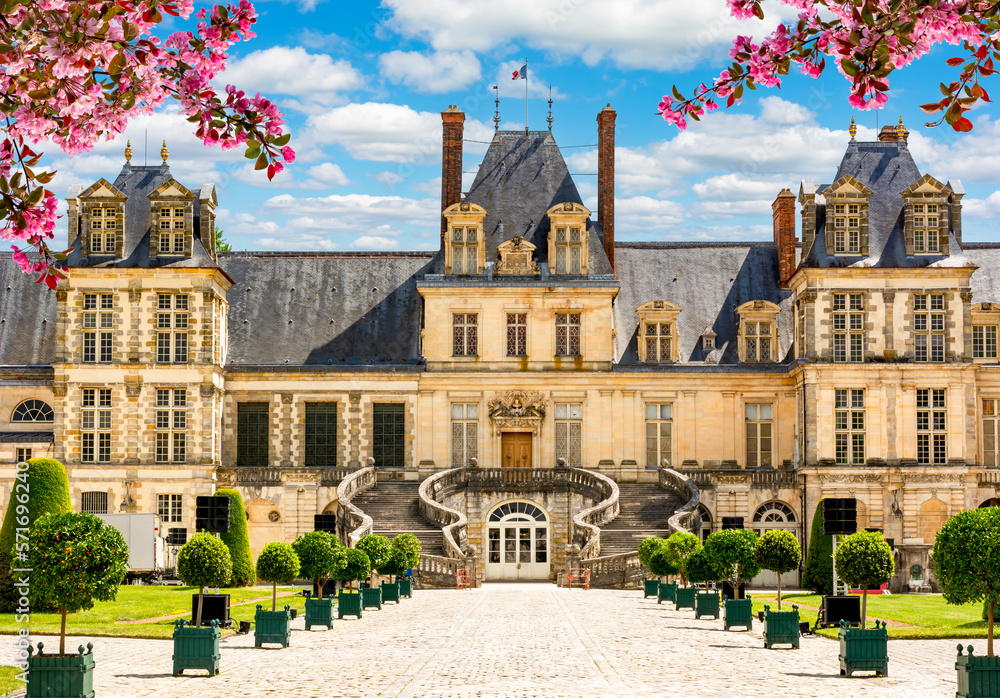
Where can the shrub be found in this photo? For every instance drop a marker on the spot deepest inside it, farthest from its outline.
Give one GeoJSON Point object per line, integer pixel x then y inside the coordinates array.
{"type": "Point", "coordinates": [700, 567]}
{"type": "Point", "coordinates": [75, 560]}
{"type": "Point", "coordinates": [778, 551]}
{"type": "Point", "coordinates": [320, 555]}
{"type": "Point", "coordinates": [966, 558]}
{"type": "Point", "coordinates": [238, 540]}
{"type": "Point", "coordinates": [864, 559]}
{"type": "Point", "coordinates": [681, 546]}
{"type": "Point", "coordinates": [204, 561]}
{"type": "Point", "coordinates": [647, 547]}
{"type": "Point", "coordinates": [43, 488]}
{"type": "Point", "coordinates": [733, 553]}
{"type": "Point", "coordinates": [357, 567]}
{"type": "Point", "coordinates": [394, 563]}
{"type": "Point", "coordinates": [411, 544]}
{"type": "Point", "coordinates": [818, 575]}
{"type": "Point", "coordinates": [278, 564]}
{"type": "Point", "coordinates": [376, 547]}
{"type": "Point", "coordinates": [661, 562]}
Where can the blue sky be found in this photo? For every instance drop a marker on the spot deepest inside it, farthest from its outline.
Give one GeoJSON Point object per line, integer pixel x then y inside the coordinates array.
{"type": "Point", "coordinates": [363, 83]}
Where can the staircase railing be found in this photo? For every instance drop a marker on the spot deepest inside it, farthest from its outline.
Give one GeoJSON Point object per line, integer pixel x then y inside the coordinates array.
{"type": "Point", "coordinates": [354, 522]}
{"type": "Point", "coordinates": [586, 524]}
{"type": "Point", "coordinates": [454, 525]}
{"type": "Point", "coordinates": [686, 487]}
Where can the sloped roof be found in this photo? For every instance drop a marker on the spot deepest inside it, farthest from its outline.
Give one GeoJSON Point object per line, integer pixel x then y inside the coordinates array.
{"type": "Point", "coordinates": [27, 317]}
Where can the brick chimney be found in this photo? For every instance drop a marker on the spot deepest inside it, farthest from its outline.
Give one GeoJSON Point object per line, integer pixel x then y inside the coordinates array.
{"type": "Point", "coordinates": [784, 235]}
{"type": "Point", "coordinates": [888, 134]}
{"type": "Point", "coordinates": [453, 126]}
{"type": "Point", "coordinates": [606, 178]}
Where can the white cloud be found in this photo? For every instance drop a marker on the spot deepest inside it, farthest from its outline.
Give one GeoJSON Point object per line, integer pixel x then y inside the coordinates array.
{"type": "Point", "coordinates": [329, 173]}
{"type": "Point", "coordinates": [970, 157]}
{"type": "Point", "coordinates": [356, 212]}
{"type": "Point", "coordinates": [374, 242]}
{"type": "Point", "coordinates": [442, 71]}
{"type": "Point", "coordinates": [988, 208]}
{"type": "Point", "coordinates": [642, 217]}
{"type": "Point", "coordinates": [538, 86]}
{"type": "Point", "coordinates": [300, 241]}
{"type": "Point", "coordinates": [283, 70]}
{"type": "Point", "coordinates": [390, 179]}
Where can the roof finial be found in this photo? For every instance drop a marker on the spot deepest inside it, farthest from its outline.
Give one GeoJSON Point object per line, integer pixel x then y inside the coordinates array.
{"type": "Point", "coordinates": [852, 129]}
{"type": "Point", "coordinates": [164, 153]}
{"type": "Point", "coordinates": [128, 152]}
{"type": "Point", "coordinates": [901, 130]}
{"type": "Point", "coordinates": [549, 119]}
{"type": "Point", "coordinates": [496, 102]}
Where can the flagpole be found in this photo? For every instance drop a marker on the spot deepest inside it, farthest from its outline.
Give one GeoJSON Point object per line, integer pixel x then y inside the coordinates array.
{"type": "Point", "coordinates": [526, 96]}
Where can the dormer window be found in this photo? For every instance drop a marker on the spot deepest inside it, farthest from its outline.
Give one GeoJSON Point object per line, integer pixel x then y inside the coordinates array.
{"type": "Point", "coordinates": [172, 221]}
{"type": "Point", "coordinates": [465, 250]}
{"type": "Point", "coordinates": [465, 243]}
{"type": "Point", "coordinates": [568, 239]}
{"type": "Point", "coordinates": [172, 229]}
{"type": "Point", "coordinates": [847, 217]}
{"type": "Point", "coordinates": [568, 253]}
{"type": "Point", "coordinates": [103, 230]}
{"type": "Point", "coordinates": [926, 217]}
{"type": "Point", "coordinates": [847, 228]}
{"type": "Point", "coordinates": [758, 332]}
{"type": "Point", "coordinates": [926, 229]}
{"type": "Point", "coordinates": [658, 332]}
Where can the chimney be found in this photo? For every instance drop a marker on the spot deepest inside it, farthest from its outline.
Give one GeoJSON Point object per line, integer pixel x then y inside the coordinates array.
{"type": "Point", "coordinates": [888, 134]}
{"type": "Point", "coordinates": [784, 235]}
{"type": "Point", "coordinates": [452, 122]}
{"type": "Point", "coordinates": [606, 178]}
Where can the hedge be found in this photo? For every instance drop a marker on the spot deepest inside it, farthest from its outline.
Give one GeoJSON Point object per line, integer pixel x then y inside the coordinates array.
{"type": "Point", "coordinates": [238, 540]}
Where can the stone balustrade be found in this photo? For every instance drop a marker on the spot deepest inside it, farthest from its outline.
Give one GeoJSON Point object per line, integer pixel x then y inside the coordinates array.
{"type": "Point", "coordinates": [352, 521]}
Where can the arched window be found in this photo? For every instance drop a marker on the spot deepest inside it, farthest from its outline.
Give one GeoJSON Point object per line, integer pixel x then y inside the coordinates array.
{"type": "Point", "coordinates": [706, 521]}
{"type": "Point", "coordinates": [32, 411]}
{"type": "Point", "coordinates": [772, 514]}
{"type": "Point", "coordinates": [527, 510]}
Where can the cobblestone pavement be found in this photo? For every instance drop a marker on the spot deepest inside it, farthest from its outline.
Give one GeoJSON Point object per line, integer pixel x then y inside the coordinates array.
{"type": "Point", "coordinates": [522, 641]}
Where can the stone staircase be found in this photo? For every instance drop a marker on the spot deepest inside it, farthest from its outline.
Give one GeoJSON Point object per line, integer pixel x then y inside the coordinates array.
{"type": "Point", "coordinates": [644, 510]}
{"type": "Point", "coordinates": [395, 508]}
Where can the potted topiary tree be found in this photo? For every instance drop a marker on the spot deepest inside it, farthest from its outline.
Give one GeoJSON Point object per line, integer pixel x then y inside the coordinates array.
{"type": "Point", "coordinates": [237, 539]}
{"type": "Point", "coordinates": [376, 547]}
{"type": "Point", "coordinates": [75, 559]}
{"type": "Point", "coordinates": [700, 569]}
{"type": "Point", "coordinates": [277, 564]}
{"type": "Point", "coordinates": [356, 567]}
{"type": "Point", "coordinates": [650, 587]}
{"type": "Point", "coordinates": [778, 551]}
{"type": "Point", "coordinates": [661, 563]}
{"type": "Point", "coordinates": [393, 565]}
{"type": "Point", "coordinates": [320, 555]}
{"type": "Point", "coordinates": [411, 544]}
{"type": "Point", "coordinates": [204, 561]}
{"type": "Point", "coordinates": [733, 553]}
{"type": "Point", "coordinates": [681, 546]}
{"type": "Point", "coordinates": [966, 558]}
{"type": "Point", "coordinates": [864, 559]}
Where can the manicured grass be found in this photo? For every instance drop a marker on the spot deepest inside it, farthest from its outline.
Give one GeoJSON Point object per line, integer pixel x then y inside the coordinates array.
{"type": "Point", "coordinates": [8, 681]}
{"type": "Point", "coordinates": [143, 602]}
{"type": "Point", "coordinates": [927, 616]}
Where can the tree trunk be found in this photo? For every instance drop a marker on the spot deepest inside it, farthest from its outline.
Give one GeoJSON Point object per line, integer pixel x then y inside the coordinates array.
{"type": "Point", "coordinates": [864, 605]}
{"type": "Point", "coordinates": [989, 630]}
{"type": "Point", "coordinates": [274, 596]}
{"type": "Point", "coordinates": [62, 633]}
{"type": "Point", "coordinates": [201, 602]}
{"type": "Point", "coordinates": [319, 588]}
{"type": "Point", "coordinates": [779, 591]}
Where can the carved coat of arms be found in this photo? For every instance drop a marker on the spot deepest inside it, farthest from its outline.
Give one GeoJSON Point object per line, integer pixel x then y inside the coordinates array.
{"type": "Point", "coordinates": [516, 408]}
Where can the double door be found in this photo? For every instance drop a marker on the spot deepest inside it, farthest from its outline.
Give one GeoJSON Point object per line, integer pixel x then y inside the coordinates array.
{"type": "Point", "coordinates": [517, 550]}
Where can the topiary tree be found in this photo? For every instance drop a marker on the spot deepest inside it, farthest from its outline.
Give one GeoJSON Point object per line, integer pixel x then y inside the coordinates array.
{"type": "Point", "coordinates": [732, 552]}
{"type": "Point", "coordinates": [357, 567]}
{"type": "Point", "coordinates": [700, 568]}
{"type": "Point", "coordinates": [204, 561]}
{"type": "Point", "coordinates": [966, 559]}
{"type": "Point", "coordinates": [661, 562]}
{"type": "Point", "coordinates": [277, 564]}
{"type": "Point", "coordinates": [647, 547]}
{"type": "Point", "coordinates": [40, 487]}
{"type": "Point", "coordinates": [681, 546]}
{"type": "Point", "coordinates": [376, 547]}
{"type": "Point", "coordinates": [864, 559]}
{"type": "Point", "coordinates": [320, 555]}
{"type": "Point", "coordinates": [411, 544]}
{"type": "Point", "coordinates": [238, 540]}
{"type": "Point", "coordinates": [818, 575]}
{"type": "Point", "coordinates": [394, 563]}
{"type": "Point", "coordinates": [75, 559]}
{"type": "Point", "coordinates": [780, 552]}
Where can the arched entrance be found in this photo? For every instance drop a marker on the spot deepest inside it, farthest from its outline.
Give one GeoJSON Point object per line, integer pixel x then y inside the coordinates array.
{"type": "Point", "coordinates": [770, 516]}
{"type": "Point", "coordinates": [517, 535]}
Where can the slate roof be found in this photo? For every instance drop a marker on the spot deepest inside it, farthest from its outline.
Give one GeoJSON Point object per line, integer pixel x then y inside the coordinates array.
{"type": "Point", "coordinates": [337, 310]}
{"type": "Point", "coordinates": [985, 281]}
{"type": "Point", "coordinates": [520, 178]}
{"type": "Point", "coordinates": [27, 317]}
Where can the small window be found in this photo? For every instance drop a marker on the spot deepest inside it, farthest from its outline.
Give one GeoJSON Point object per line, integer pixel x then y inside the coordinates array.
{"type": "Point", "coordinates": [94, 503]}
{"type": "Point", "coordinates": [169, 507]}
{"type": "Point", "coordinates": [466, 338]}
{"type": "Point", "coordinates": [32, 411]}
{"type": "Point", "coordinates": [22, 455]}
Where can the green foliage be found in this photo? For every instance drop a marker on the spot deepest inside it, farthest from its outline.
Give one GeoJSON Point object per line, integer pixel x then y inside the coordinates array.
{"type": "Point", "coordinates": [700, 567]}
{"type": "Point", "coordinates": [818, 575]}
{"type": "Point", "coordinates": [661, 562]}
{"type": "Point", "coordinates": [733, 553]}
{"type": "Point", "coordinates": [778, 551]}
{"type": "Point", "coordinates": [358, 566]}
{"type": "Point", "coordinates": [647, 547]}
{"type": "Point", "coordinates": [277, 563]}
{"type": "Point", "coordinates": [238, 540]}
{"type": "Point", "coordinates": [376, 547]}
{"type": "Point", "coordinates": [411, 544]}
{"type": "Point", "coordinates": [394, 562]}
{"type": "Point", "coordinates": [320, 555]}
{"type": "Point", "coordinates": [221, 244]}
{"type": "Point", "coordinates": [204, 561]}
{"type": "Point", "coordinates": [864, 559]}
{"type": "Point", "coordinates": [681, 546]}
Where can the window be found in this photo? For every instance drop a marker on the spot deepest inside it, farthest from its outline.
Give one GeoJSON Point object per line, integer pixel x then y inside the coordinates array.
{"type": "Point", "coordinates": [925, 229]}
{"type": "Point", "coordinates": [252, 427]}
{"type": "Point", "coordinates": [171, 423]}
{"type": "Point", "coordinates": [758, 435]}
{"type": "Point", "coordinates": [95, 426]}
{"type": "Point", "coordinates": [97, 324]}
{"type": "Point", "coordinates": [568, 334]}
{"type": "Point", "coordinates": [847, 228]}
{"type": "Point", "coordinates": [931, 426]}
{"type": "Point", "coordinates": [849, 426]}
{"type": "Point", "coordinates": [465, 251]}
{"type": "Point", "coordinates": [94, 502]}
{"type": "Point", "coordinates": [705, 517]}
{"type": "Point", "coordinates": [321, 434]}
{"type": "Point", "coordinates": [928, 327]}
{"type": "Point", "coordinates": [517, 334]}
{"type": "Point", "coordinates": [103, 223]}
{"type": "Point", "coordinates": [984, 341]}
{"type": "Point", "coordinates": [659, 435]}
{"type": "Point", "coordinates": [177, 536]}
{"type": "Point", "coordinates": [171, 230]}
{"type": "Point", "coordinates": [569, 434]}
{"type": "Point", "coordinates": [22, 454]}
{"type": "Point", "coordinates": [757, 337]}
{"type": "Point", "coordinates": [658, 338]}
{"type": "Point", "coordinates": [464, 434]}
{"type": "Point", "coordinates": [168, 506]}
{"type": "Point", "coordinates": [569, 251]}
{"type": "Point", "coordinates": [172, 328]}
{"type": "Point", "coordinates": [991, 433]}
{"type": "Point", "coordinates": [388, 434]}
{"type": "Point", "coordinates": [465, 331]}
{"type": "Point", "coordinates": [32, 411]}
{"type": "Point", "coordinates": [848, 327]}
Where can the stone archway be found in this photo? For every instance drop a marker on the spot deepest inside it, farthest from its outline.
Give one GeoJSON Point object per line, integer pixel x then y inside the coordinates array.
{"type": "Point", "coordinates": [992, 502]}
{"type": "Point", "coordinates": [933, 514]}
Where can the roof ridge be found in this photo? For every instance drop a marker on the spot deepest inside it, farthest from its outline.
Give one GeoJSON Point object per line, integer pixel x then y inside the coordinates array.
{"type": "Point", "coordinates": [359, 254]}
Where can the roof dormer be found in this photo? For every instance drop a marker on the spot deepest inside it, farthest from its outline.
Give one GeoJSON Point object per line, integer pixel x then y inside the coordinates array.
{"type": "Point", "coordinates": [517, 258]}
{"type": "Point", "coordinates": [465, 243]}
{"type": "Point", "coordinates": [759, 332]}
{"type": "Point", "coordinates": [568, 239]}
{"type": "Point", "coordinates": [171, 220]}
{"type": "Point", "coordinates": [99, 212]}
{"type": "Point", "coordinates": [658, 332]}
{"type": "Point", "coordinates": [926, 217]}
{"type": "Point", "coordinates": [847, 230]}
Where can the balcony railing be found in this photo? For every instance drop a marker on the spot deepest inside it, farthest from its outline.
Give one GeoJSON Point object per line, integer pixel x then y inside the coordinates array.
{"type": "Point", "coordinates": [352, 520]}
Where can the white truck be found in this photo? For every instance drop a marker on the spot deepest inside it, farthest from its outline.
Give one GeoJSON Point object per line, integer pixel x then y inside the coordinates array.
{"type": "Point", "coordinates": [144, 537]}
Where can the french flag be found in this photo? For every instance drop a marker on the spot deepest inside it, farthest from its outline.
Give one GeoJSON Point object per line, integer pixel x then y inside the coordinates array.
{"type": "Point", "coordinates": [521, 73]}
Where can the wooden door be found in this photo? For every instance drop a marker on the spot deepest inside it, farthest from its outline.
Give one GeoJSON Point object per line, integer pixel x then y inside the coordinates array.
{"type": "Point", "coordinates": [515, 450]}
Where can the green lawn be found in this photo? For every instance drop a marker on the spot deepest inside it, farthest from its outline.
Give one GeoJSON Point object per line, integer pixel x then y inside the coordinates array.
{"type": "Point", "coordinates": [8, 682]}
{"type": "Point", "coordinates": [143, 602]}
{"type": "Point", "coordinates": [927, 616]}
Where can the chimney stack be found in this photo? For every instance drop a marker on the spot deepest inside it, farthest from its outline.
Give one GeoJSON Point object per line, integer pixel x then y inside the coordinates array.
{"type": "Point", "coordinates": [606, 178]}
{"type": "Point", "coordinates": [452, 122]}
{"type": "Point", "coordinates": [784, 235]}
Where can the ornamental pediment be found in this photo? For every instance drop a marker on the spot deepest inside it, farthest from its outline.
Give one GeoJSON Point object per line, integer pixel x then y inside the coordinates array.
{"type": "Point", "coordinates": [516, 409]}
{"type": "Point", "coordinates": [517, 256]}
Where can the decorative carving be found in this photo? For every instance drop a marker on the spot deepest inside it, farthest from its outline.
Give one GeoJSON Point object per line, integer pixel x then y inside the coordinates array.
{"type": "Point", "coordinates": [354, 396]}
{"type": "Point", "coordinates": [134, 295]}
{"type": "Point", "coordinates": [847, 479]}
{"type": "Point", "coordinates": [207, 391]}
{"type": "Point", "coordinates": [516, 409]}
{"type": "Point", "coordinates": [208, 297]}
{"type": "Point", "coordinates": [61, 296]}
{"type": "Point", "coordinates": [59, 389]}
{"type": "Point", "coordinates": [517, 256]}
{"type": "Point", "coordinates": [286, 398]}
{"type": "Point", "coordinates": [133, 390]}
{"type": "Point", "coordinates": [940, 479]}
{"type": "Point", "coordinates": [273, 516]}
{"type": "Point", "coordinates": [809, 295]}
{"type": "Point", "coordinates": [225, 478]}
{"type": "Point", "coordinates": [966, 296]}
{"type": "Point", "coordinates": [732, 479]}
{"type": "Point", "coordinates": [888, 296]}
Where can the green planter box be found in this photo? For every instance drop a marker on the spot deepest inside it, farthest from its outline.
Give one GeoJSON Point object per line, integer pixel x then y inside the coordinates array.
{"type": "Point", "coordinates": [739, 613]}
{"type": "Point", "coordinates": [684, 597]}
{"type": "Point", "coordinates": [319, 612]}
{"type": "Point", "coordinates": [371, 598]}
{"type": "Point", "coordinates": [348, 604]}
{"type": "Point", "coordinates": [405, 587]}
{"type": "Point", "coordinates": [666, 592]}
{"type": "Point", "coordinates": [706, 604]}
{"type": "Point", "coordinates": [781, 627]}
{"type": "Point", "coordinates": [650, 587]}
{"type": "Point", "coordinates": [197, 648]}
{"type": "Point", "coordinates": [272, 626]}
{"type": "Point", "coordinates": [865, 650]}
{"type": "Point", "coordinates": [390, 592]}
{"type": "Point", "coordinates": [978, 677]}
{"type": "Point", "coordinates": [54, 676]}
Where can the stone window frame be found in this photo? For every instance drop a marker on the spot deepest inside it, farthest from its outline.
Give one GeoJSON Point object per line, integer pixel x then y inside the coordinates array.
{"type": "Point", "coordinates": [568, 217]}
{"type": "Point", "coordinates": [91, 504]}
{"type": "Point", "coordinates": [759, 421]}
{"type": "Point", "coordinates": [173, 504]}
{"type": "Point", "coordinates": [756, 313]}
{"type": "Point", "coordinates": [464, 426]}
{"type": "Point", "coordinates": [567, 350]}
{"type": "Point", "coordinates": [465, 215]}
{"type": "Point", "coordinates": [989, 411]}
{"type": "Point", "coordinates": [22, 454]}
{"type": "Point", "coordinates": [97, 322]}
{"type": "Point", "coordinates": [252, 458]}
{"type": "Point", "coordinates": [847, 192]}
{"type": "Point", "coordinates": [568, 433]}
{"type": "Point", "coordinates": [922, 303]}
{"type": "Point", "coordinates": [509, 327]}
{"type": "Point", "coordinates": [102, 224]}
{"type": "Point", "coordinates": [83, 206]}
{"type": "Point", "coordinates": [465, 331]}
{"type": "Point", "coordinates": [934, 436]}
{"type": "Point", "coordinates": [407, 428]}
{"type": "Point", "coordinates": [178, 316]}
{"type": "Point", "coordinates": [170, 424]}
{"type": "Point", "coordinates": [96, 421]}
{"type": "Point", "coordinates": [849, 311]}
{"type": "Point", "coordinates": [158, 199]}
{"type": "Point", "coordinates": [985, 315]}
{"type": "Point", "coordinates": [924, 191]}
{"type": "Point", "coordinates": [658, 313]}
{"type": "Point", "coordinates": [655, 418]}
{"type": "Point", "coordinates": [848, 405]}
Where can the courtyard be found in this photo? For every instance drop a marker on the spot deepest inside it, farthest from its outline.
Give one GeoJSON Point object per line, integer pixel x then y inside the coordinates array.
{"type": "Point", "coordinates": [520, 640]}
